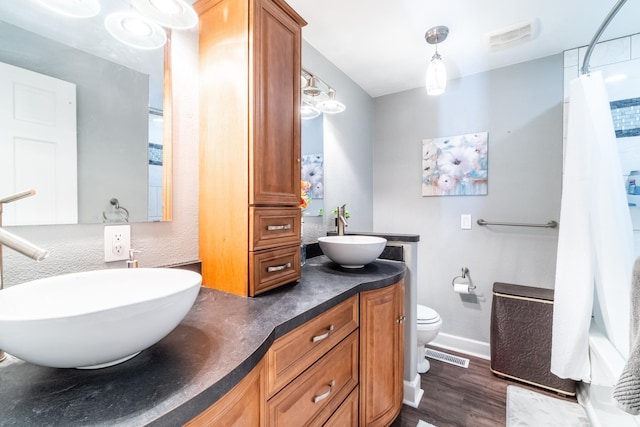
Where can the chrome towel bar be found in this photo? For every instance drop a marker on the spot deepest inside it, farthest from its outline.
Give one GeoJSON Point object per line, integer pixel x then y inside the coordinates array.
{"type": "Point", "coordinates": [550, 224]}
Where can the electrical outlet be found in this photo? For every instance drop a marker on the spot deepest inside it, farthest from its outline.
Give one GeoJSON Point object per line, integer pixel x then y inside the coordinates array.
{"type": "Point", "coordinates": [465, 222]}
{"type": "Point", "coordinates": [117, 242]}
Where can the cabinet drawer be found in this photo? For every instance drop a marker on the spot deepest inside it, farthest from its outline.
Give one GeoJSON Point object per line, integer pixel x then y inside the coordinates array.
{"type": "Point", "coordinates": [347, 413]}
{"type": "Point", "coordinates": [272, 268]}
{"type": "Point", "coordinates": [318, 392]}
{"type": "Point", "coordinates": [274, 227]}
{"type": "Point", "coordinates": [296, 351]}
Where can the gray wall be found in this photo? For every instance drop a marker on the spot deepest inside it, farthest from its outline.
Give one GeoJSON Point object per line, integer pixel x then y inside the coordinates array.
{"type": "Point", "coordinates": [521, 108]}
{"type": "Point", "coordinates": [81, 248]}
{"type": "Point", "coordinates": [348, 165]}
{"type": "Point", "coordinates": [112, 117]}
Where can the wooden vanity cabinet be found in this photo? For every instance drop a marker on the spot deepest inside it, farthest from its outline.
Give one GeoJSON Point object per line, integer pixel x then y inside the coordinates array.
{"type": "Point", "coordinates": [381, 354]}
{"type": "Point", "coordinates": [244, 405]}
{"type": "Point", "coordinates": [342, 368]}
{"type": "Point", "coordinates": [250, 64]}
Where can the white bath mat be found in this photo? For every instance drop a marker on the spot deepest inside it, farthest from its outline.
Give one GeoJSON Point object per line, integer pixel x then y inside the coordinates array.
{"type": "Point", "coordinates": [526, 408]}
{"type": "Point", "coordinates": [424, 424]}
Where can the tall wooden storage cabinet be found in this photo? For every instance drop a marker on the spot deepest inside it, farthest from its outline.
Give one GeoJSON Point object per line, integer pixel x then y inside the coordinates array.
{"type": "Point", "coordinates": [250, 64]}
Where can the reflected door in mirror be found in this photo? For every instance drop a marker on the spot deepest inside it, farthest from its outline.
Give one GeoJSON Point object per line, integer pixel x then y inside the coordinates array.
{"type": "Point", "coordinates": [38, 147]}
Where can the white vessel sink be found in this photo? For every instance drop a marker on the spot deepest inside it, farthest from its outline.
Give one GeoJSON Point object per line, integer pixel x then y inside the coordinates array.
{"type": "Point", "coordinates": [352, 251]}
{"type": "Point", "coordinates": [94, 319]}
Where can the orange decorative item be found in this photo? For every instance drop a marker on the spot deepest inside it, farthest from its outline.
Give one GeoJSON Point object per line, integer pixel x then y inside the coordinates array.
{"type": "Point", "coordinates": [304, 191]}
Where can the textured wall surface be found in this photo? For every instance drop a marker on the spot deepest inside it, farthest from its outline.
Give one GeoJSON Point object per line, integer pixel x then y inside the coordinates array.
{"type": "Point", "coordinates": [80, 247]}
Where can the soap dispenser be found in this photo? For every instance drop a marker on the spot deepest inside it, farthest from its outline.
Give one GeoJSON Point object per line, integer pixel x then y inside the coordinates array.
{"type": "Point", "coordinates": [132, 262]}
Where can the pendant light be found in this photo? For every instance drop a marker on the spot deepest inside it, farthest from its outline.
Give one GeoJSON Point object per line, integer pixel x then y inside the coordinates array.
{"type": "Point", "coordinates": [308, 111]}
{"type": "Point", "coordinates": [174, 14]}
{"type": "Point", "coordinates": [436, 81]}
{"type": "Point", "coordinates": [318, 97]}
{"type": "Point", "coordinates": [312, 89]}
{"type": "Point", "coordinates": [135, 30]}
{"type": "Point", "coordinates": [331, 105]}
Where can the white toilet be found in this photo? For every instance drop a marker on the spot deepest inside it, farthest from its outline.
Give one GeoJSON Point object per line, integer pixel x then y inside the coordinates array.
{"type": "Point", "coordinates": [429, 324]}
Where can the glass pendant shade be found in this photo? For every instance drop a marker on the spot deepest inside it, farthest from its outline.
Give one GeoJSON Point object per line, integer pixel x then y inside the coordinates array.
{"type": "Point", "coordinates": [436, 76]}
{"type": "Point", "coordinates": [168, 13]}
{"type": "Point", "coordinates": [308, 112]}
{"type": "Point", "coordinates": [135, 30]}
{"type": "Point", "coordinates": [331, 106]}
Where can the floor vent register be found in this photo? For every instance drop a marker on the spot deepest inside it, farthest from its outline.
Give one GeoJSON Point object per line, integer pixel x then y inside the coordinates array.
{"type": "Point", "coordinates": [447, 358]}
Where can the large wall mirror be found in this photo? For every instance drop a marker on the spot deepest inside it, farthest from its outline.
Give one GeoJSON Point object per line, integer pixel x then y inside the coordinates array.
{"type": "Point", "coordinates": [105, 105]}
{"type": "Point", "coordinates": [619, 62]}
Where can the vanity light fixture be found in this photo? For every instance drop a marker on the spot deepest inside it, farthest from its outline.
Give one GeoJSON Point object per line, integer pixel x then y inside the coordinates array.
{"type": "Point", "coordinates": [135, 30]}
{"type": "Point", "coordinates": [318, 97]}
{"type": "Point", "coordinates": [311, 89]}
{"type": "Point", "coordinates": [331, 105]}
{"type": "Point", "coordinates": [174, 14]}
{"type": "Point", "coordinates": [436, 80]}
{"type": "Point", "coordinates": [73, 8]}
{"type": "Point", "coordinates": [308, 111]}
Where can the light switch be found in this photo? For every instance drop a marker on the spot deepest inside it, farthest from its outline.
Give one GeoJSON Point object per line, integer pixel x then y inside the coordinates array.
{"type": "Point", "coordinates": [465, 222]}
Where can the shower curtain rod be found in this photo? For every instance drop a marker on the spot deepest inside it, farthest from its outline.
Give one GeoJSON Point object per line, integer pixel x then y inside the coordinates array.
{"type": "Point", "coordinates": [550, 224]}
{"type": "Point", "coordinates": [596, 36]}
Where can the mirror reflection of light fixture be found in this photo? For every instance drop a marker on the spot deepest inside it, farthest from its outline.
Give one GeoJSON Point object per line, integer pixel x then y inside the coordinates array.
{"type": "Point", "coordinates": [318, 97]}
{"type": "Point", "coordinates": [168, 13]}
{"type": "Point", "coordinates": [308, 111]}
{"type": "Point", "coordinates": [331, 106]}
{"type": "Point", "coordinates": [311, 89]}
{"type": "Point", "coordinates": [436, 80]}
{"type": "Point", "coordinates": [135, 30]}
{"type": "Point", "coordinates": [73, 8]}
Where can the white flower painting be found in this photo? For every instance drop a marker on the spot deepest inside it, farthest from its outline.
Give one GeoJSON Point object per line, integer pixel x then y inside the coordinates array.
{"type": "Point", "coordinates": [313, 172]}
{"type": "Point", "coordinates": [455, 165]}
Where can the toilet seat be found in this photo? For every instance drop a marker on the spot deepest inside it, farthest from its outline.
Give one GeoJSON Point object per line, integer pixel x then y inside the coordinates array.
{"type": "Point", "coordinates": [426, 315]}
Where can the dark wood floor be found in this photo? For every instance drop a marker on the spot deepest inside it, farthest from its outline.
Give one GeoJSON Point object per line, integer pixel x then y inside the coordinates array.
{"type": "Point", "coordinates": [461, 397]}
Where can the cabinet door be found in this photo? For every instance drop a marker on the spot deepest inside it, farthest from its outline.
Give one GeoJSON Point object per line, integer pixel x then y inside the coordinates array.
{"type": "Point", "coordinates": [381, 354]}
{"type": "Point", "coordinates": [243, 406]}
{"type": "Point", "coordinates": [275, 142]}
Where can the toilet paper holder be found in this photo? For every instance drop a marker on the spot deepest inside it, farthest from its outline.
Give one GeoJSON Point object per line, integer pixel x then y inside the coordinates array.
{"type": "Point", "coordinates": [464, 280]}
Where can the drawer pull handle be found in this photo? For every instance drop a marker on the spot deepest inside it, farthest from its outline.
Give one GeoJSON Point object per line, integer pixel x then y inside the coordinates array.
{"type": "Point", "coordinates": [278, 227]}
{"type": "Point", "coordinates": [326, 394]}
{"type": "Point", "coordinates": [279, 267]}
{"type": "Point", "coordinates": [322, 336]}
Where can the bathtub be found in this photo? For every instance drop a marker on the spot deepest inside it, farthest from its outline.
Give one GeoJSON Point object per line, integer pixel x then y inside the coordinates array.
{"type": "Point", "coordinates": [606, 367]}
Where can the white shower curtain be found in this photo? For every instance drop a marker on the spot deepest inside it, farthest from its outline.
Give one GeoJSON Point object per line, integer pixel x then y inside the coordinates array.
{"type": "Point", "coordinates": [595, 242]}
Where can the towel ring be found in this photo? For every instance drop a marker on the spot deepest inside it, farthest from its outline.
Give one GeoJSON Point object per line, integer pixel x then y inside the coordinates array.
{"type": "Point", "coordinates": [117, 208]}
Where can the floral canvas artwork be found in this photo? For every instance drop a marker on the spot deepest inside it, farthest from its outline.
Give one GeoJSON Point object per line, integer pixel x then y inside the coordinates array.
{"type": "Point", "coordinates": [313, 173]}
{"type": "Point", "coordinates": [455, 165]}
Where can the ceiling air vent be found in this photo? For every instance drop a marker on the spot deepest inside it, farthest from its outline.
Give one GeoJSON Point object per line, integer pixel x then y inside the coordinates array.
{"type": "Point", "coordinates": [512, 35]}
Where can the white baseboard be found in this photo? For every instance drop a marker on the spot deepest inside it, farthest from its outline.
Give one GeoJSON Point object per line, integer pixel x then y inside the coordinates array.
{"type": "Point", "coordinates": [463, 345]}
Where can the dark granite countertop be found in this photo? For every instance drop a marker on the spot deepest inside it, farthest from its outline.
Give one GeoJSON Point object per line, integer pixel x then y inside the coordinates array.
{"type": "Point", "coordinates": [220, 340]}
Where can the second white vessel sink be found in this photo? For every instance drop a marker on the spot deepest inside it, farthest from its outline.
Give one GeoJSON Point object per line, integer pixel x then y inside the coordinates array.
{"type": "Point", "coordinates": [352, 251]}
{"type": "Point", "coordinates": [94, 319]}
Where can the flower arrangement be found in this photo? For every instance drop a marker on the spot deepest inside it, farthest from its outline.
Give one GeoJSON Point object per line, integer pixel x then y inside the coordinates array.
{"type": "Point", "coordinates": [305, 198]}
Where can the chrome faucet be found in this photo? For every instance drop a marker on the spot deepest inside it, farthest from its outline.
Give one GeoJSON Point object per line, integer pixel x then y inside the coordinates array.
{"type": "Point", "coordinates": [17, 243]}
{"type": "Point", "coordinates": [341, 221]}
